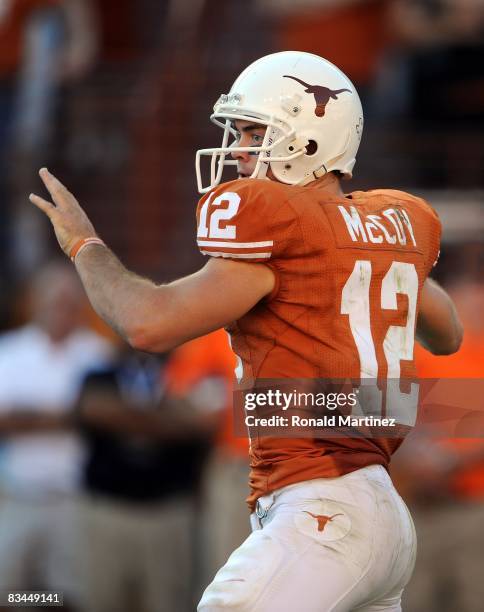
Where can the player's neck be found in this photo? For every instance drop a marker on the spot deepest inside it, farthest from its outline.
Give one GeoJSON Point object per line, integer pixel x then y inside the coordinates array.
{"type": "Point", "coordinates": [329, 182]}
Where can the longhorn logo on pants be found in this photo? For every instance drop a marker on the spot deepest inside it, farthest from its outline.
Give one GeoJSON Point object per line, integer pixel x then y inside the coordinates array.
{"type": "Point", "coordinates": [322, 519]}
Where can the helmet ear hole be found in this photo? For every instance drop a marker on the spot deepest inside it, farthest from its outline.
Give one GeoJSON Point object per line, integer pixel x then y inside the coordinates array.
{"type": "Point", "coordinates": [311, 148]}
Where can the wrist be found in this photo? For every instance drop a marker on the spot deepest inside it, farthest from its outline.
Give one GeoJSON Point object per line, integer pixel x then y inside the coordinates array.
{"type": "Point", "coordinates": [81, 244]}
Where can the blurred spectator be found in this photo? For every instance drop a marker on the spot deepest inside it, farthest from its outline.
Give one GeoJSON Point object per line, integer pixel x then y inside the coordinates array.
{"type": "Point", "coordinates": [468, 296]}
{"type": "Point", "coordinates": [43, 44]}
{"type": "Point", "coordinates": [150, 423]}
{"type": "Point", "coordinates": [421, 23]}
{"type": "Point", "coordinates": [433, 78]}
{"type": "Point", "coordinates": [443, 479]}
{"type": "Point", "coordinates": [224, 519]}
{"type": "Point", "coordinates": [41, 369]}
{"type": "Point", "coordinates": [225, 479]}
{"type": "Point", "coordinates": [350, 33]}
{"type": "Point", "coordinates": [444, 48]}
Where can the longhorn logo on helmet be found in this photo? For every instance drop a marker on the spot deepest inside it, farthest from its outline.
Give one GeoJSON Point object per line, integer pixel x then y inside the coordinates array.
{"type": "Point", "coordinates": [322, 95]}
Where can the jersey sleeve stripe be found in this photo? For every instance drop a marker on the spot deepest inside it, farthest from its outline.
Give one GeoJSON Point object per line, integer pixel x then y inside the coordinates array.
{"type": "Point", "coordinates": [237, 255]}
{"type": "Point", "coordinates": [235, 245]}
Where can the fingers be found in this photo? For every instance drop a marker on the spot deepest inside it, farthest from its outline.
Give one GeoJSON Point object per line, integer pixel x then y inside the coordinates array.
{"type": "Point", "coordinates": [56, 189]}
{"type": "Point", "coordinates": [44, 205]}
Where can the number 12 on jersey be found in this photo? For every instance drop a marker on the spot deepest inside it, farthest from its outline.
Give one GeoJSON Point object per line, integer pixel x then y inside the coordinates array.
{"type": "Point", "coordinates": [398, 343]}
{"type": "Point", "coordinates": [218, 215]}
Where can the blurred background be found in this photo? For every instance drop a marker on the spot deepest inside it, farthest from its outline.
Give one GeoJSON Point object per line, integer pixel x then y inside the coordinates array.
{"type": "Point", "coordinates": [120, 482]}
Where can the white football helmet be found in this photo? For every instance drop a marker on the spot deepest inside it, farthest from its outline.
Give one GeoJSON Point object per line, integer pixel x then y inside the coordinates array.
{"type": "Point", "coordinates": [312, 112]}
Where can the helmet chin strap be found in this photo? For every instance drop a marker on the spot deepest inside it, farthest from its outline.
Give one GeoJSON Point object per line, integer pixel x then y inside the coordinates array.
{"type": "Point", "coordinates": [314, 175]}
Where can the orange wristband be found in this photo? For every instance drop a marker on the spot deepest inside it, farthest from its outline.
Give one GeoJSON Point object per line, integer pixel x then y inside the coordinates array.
{"type": "Point", "coordinates": [81, 244]}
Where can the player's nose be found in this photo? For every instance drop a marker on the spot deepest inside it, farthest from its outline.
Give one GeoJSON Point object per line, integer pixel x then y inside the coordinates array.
{"type": "Point", "coordinates": [242, 156]}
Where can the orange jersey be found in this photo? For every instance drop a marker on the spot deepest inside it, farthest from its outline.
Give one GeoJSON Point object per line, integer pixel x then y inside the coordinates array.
{"type": "Point", "coordinates": [349, 271]}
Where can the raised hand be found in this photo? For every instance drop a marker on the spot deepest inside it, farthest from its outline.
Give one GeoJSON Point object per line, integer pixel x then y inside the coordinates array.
{"type": "Point", "coordinates": [71, 224]}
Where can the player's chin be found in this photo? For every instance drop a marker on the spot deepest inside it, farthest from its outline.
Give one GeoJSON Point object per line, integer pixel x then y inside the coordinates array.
{"type": "Point", "coordinates": [244, 175]}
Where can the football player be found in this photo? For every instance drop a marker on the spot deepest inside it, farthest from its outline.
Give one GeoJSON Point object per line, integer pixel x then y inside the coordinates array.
{"type": "Point", "coordinates": [310, 283]}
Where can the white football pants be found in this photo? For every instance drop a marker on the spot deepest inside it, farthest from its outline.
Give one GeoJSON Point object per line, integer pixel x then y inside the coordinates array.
{"type": "Point", "coordinates": [329, 544]}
